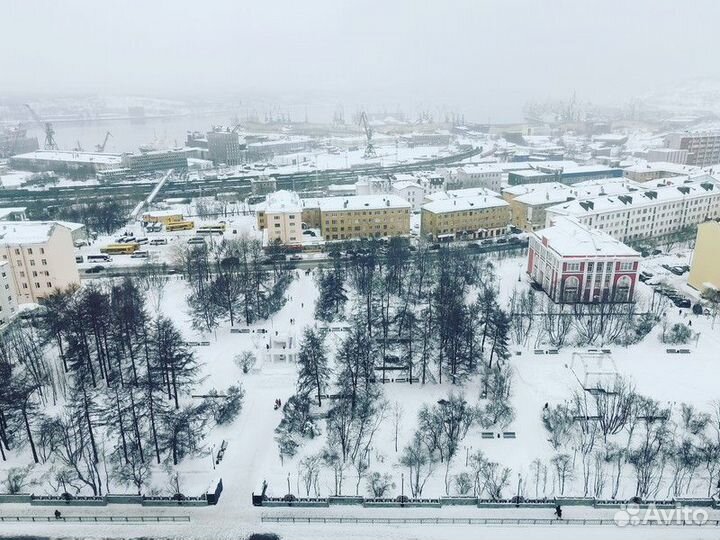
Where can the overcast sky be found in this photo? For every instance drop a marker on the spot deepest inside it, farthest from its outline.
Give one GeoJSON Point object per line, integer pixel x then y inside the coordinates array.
{"type": "Point", "coordinates": [443, 51]}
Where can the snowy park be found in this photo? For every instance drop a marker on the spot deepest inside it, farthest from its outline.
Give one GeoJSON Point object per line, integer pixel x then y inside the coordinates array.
{"type": "Point", "coordinates": [388, 374]}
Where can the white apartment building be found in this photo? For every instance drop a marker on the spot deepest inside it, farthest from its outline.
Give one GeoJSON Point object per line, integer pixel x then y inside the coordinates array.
{"type": "Point", "coordinates": [40, 255]}
{"type": "Point", "coordinates": [283, 217]}
{"type": "Point", "coordinates": [657, 211]}
{"type": "Point", "coordinates": [487, 176]}
{"type": "Point", "coordinates": [412, 192]}
{"type": "Point", "coordinates": [8, 300]}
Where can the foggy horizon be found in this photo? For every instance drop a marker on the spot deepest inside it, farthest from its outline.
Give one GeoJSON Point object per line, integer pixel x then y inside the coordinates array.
{"type": "Point", "coordinates": [467, 56]}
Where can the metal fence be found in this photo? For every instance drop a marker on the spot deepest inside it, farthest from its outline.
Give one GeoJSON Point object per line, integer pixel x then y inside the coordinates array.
{"type": "Point", "coordinates": [476, 521]}
{"type": "Point", "coordinates": [95, 519]}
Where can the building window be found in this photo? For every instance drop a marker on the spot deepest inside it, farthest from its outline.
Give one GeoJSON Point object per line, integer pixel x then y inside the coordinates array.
{"type": "Point", "coordinates": [627, 266]}
{"type": "Point", "coordinates": [44, 262]}
{"type": "Point", "coordinates": [32, 262]}
{"type": "Point", "coordinates": [570, 289]}
{"type": "Point", "coordinates": [49, 285]}
{"type": "Point", "coordinates": [572, 267]}
{"type": "Point", "coordinates": [29, 250]}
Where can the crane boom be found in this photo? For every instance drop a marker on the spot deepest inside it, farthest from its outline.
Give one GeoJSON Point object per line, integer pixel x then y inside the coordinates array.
{"type": "Point", "coordinates": [369, 147]}
{"type": "Point", "coordinates": [101, 147]}
{"type": "Point", "coordinates": [47, 127]}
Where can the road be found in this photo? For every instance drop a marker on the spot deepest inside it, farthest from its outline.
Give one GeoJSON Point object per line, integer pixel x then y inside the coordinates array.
{"type": "Point", "coordinates": [118, 270]}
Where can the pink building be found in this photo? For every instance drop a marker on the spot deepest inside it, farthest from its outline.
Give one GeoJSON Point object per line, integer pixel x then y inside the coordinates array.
{"type": "Point", "coordinates": [574, 264]}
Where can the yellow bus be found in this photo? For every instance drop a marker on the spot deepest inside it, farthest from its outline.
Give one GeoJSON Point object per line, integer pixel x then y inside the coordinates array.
{"type": "Point", "coordinates": [180, 226]}
{"type": "Point", "coordinates": [120, 249]}
{"type": "Point", "coordinates": [217, 228]}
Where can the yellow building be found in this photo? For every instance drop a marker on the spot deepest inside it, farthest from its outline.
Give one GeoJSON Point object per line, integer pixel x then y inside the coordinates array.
{"type": "Point", "coordinates": [465, 218]}
{"type": "Point", "coordinates": [338, 218]}
{"type": "Point", "coordinates": [41, 257]}
{"type": "Point", "coordinates": [364, 216]}
{"type": "Point", "coordinates": [162, 216]}
{"type": "Point", "coordinates": [705, 267]}
{"type": "Point", "coordinates": [529, 201]}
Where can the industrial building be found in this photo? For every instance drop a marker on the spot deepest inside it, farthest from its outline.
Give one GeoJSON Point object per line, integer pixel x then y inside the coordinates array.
{"type": "Point", "coordinates": [16, 141]}
{"type": "Point", "coordinates": [155, 160]}
{"type": "Point", "coordinates": [40, 256]}
{"type": "Point", "coordinates": [576, 174]}
{"type": "Point", "coordinates": [576, 264]}
{"type": "Point", "coordinates": [90, 163]}
{"type": "Point", "coordinates": [66, 162]}
{"type": "Point", "coordinates": [705, 266]}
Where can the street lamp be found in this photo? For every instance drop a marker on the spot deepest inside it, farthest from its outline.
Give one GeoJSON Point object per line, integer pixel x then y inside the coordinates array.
{"type": "Point", "coordinates": [402, 488]}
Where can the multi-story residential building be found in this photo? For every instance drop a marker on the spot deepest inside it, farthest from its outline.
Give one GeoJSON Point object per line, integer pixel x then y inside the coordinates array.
{"type": "Point", "coordinates": [703, 147]}
{"type": "Point", "coordinates": [653, 212]}
{"type": "Point", "coordinates": [338, 218]}
{"type": "Point", "coordinates": [282, 214]}
{"type": "Point", "coordinates": [412, 192]}
{"type": "Point", "coordinates": [576, 264]}
{"type": "Point", "coordinates": [464, 218]}
{"type": "Point", "coordinates": [528, 202]}
{"type": "Point", "coordinates": [343, 218]}
{"type": "Point", "coordinates": [226, 147]}
{"type": "Point", "coordinates": [489, 176]}
{"type": "Point", "coordinates": [8, 300]}
{"type": "Point", "coordinates": [705, 266]}
{"type": "Point", "coordinates": [41, 257]}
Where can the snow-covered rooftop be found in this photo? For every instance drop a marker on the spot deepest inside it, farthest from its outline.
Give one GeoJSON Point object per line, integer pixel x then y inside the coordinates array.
{"type": "Point", "coordinates": [568, 238]}
{"type": "Point", "coordinates": [362, 202]}
{"type": "Point", "coordinates": [699, 187]}
{"type": "Point", "coordinates": [65, 156]}
{"type": "Point", "coordinates": [461, 194]}
{"type": "Point", "coordinates": [463, 204]}
{"type": "Point", "coordinates": [283, 201]}
{"type": "Point", "coordinates": [26, 232]}
{"type": "Point", "coordinates": [405, 184]}
{"type": "Point", "coordinates": [10, 210]}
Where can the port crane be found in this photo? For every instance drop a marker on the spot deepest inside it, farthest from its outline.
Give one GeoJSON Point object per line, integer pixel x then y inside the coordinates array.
{"type": "Point", "coordinates": [369, 148]}
{"type": "Point", "coordinates": [101, 147]}
{"type": "Point", "coordinates": [50, 143]}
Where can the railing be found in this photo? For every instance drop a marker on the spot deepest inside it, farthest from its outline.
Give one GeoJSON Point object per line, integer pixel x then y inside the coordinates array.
{"type": "Point", "coordinates": [477, 521]}
{"type": "Point", "coordinates": [95, 519]}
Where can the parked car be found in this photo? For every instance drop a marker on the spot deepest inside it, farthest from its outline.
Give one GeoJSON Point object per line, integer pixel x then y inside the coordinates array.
{"type": "Point", "coordinates": [79, 259]}
{"type": "Point", "coordinates": [158, 241]}
{"type": "Point", "coordinates": [196, 240]}
{"type": "Point", "coordinates": [140, 255]}
{"type": "Point", "coordinates": [682, 302]}
{"type": "Point", "coordinates": [501, 241]}
{"type": "Point", "coordinates": [95, 269]}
